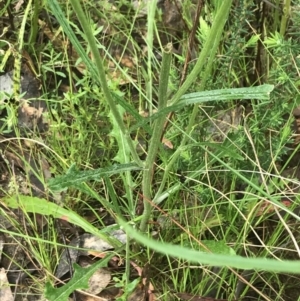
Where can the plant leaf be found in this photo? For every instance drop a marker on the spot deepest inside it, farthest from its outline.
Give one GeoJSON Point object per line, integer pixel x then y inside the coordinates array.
{"type": "Point", "coordinates": [5, 289]}
{"type": "Point", "coordinates": [123, 154]}
{"type": "Point", "coordinates": [258, 92]}
{"type": "Point", "coordinates": [220, 260]}
{"type": "Point", "coordinates": [41, 206]}
{"type": "Point", "coordinates": [75, 177]}
{"type": "Point", "coordinates": [79, 281]}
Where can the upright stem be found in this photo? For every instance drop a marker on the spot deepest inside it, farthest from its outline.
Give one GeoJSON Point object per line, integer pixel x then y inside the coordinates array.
{"type": "Point", "coordinates": [285, 17]}
{"type": "Point", "coordinates": [209, 48]}
{"type": "Point", "coordinates": [149, 39]}
{"type": "Point", "coordinates": [206, 57]}
{"type": "Point", "coordinates": [156, 136]}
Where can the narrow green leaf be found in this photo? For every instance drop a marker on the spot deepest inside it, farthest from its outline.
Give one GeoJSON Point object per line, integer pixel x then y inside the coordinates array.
{"type": "Point", "coordinates": [75, 177]}
{"type": "Point", "coordinates": [220, 260]}
{"type": "Point", "coordinates": [41, 206]}
{"type": "Point", "coordinates": [123, 154]}
{"type": "Point", "coordinates": [79, 281]}
{"type": "Point", "coordinates": [259, 92]}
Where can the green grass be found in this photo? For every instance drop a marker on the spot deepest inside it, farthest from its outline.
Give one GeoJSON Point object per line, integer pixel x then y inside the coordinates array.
{"type": "Point", "coordinates": [210, 187]}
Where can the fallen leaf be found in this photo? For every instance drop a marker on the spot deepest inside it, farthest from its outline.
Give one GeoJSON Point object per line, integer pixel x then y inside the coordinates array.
{"type": "Point", "coordinates": [6, 84]}
{"type": "Point", "coordinates": [266, 207]}
{"type": "Point", "coordinates": [86, 244]}
{"type": "Point", "coordinates": [167, 143]}
{"type": "Point", "coordinates": [224, 122]}
{"type": "Point", "coordinates": [98, 281]}
{"type": "Point", "coordinates": [5, 291]}
{"type": "Point", "coordinates": [18, 5]}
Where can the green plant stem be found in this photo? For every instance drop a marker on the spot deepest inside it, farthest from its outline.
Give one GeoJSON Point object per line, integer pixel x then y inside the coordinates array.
{"type": "Point", "coordinates": [276, 16]}
{"type": "Point", "coordinates": [209, 48]}
{"type": "Point", "coordinates": [102, 78]}
{"type": "Point", "coordinates": [285, 17]}
{"type": "Point", "coordinates": [23, 25]}
{"type": "Point", "coordinates": [127, 261]}
{"type": "Point", "coordinates": [149, 39]}
{"type": "Point", "coordinates": [34, 22]}
{"type": "Point", "coordinates": [207, 56]}
{"type": "Point", "coordinates": [156, 136]}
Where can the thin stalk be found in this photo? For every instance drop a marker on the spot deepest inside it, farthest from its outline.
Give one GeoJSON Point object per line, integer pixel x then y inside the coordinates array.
{"type": "Point", "coordinates": [211, 44]}
{"type": "Point", "coordinates": [156, 136]}
{"type": "Point", "coordinates": [127, 261]}
{"type": "Point", "coordinates": [102, 78]}
{"type": "Point", "coordinates": [208, 50]}
{"type": "Point", "coordinates": [285, 17]}
{"type": "Point", "coordinates": [34, 22]}
{"type": "Point", "coordinates": [276, 16]}
{"type": "Point", "coordinates": [149, 40]}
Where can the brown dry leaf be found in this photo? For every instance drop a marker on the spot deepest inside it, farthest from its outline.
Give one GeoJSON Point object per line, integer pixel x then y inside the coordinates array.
{"type": "Point", "coordinates": [223, 122]}
{"type": "Point", "coordinates": [151, 295]}
{"type": "Point", "coordinates": [32, 112]}
{"type": "Point", "coordinates": [266, 207]}
{"type": "Point", "coordinates": [145, 289]}
{"type": "Point", "coordinates": [18, 5]}
{"type": "Point", "coordinates": [167, 143]}
{"type": "Point", "coordinates": [5, 291]}
{"type": "Point", "coordinates": [94, 246]}
{"type": "Point", "coordinates": [32, 115]}
{"type": "Point", "coordinates": [98, 281]}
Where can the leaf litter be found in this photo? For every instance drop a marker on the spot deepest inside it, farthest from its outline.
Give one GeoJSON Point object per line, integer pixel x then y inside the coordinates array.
{"type": "Point", "coordinates": [86, 244]}
{"type": "Point", "coordinates": [5, 290]}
